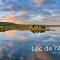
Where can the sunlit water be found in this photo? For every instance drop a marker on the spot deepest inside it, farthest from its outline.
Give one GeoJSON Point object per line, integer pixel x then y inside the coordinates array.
{"type": "Point", "coordinates": [17, 45]}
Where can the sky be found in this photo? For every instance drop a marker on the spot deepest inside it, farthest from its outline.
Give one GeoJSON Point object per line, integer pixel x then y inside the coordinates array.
{"type": "Point", "coordinates": [30, 11]}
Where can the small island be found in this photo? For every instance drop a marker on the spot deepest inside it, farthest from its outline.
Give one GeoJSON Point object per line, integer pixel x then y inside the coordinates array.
{"type": "Point", "coordinates": [5, 26]}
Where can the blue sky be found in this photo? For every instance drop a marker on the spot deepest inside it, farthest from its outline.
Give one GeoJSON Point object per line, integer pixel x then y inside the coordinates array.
{"type": "Point", "coordinates": [29, 10]}
{"type": "Point", "coordinates": [28, 4]}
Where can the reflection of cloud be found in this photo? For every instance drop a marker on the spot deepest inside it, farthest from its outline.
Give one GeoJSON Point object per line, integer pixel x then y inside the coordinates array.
{"type": "Point", "coordinates": [43, 55]}
{"type": "Point", "coordinates": [26, 37]}
{"type": "Point", "coordinates": [23, 36]}
{"type": "Point", "coordinates": [10, 34]}
{"type": "Point", "coordinates": [21, 58]}
{"type": "Point", "coordinates": [10, 44]}
{"type": "Point", "coordinates": [1, 48]}
{"type": "Point", "coordinates": [40, 55]}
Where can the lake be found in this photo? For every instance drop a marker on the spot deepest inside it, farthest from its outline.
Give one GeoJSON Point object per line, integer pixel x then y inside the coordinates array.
{"type": "Point", "coordinates": [17, 45]}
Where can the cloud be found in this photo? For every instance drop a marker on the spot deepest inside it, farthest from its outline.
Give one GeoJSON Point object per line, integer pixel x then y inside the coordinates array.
{"type": "Point", "coordinates": [19, 17]}
{"type": "Point", "coordinates": [34, 19]}
{"type": "Point", "coordinates": [4, 13]}
{"type": "Point", "coordinates": [24, 12]}
{"type": "Point", "coordinates": [9, 17]}
{"type": "Point", "coordinates": [38, 2]}
{"type": "Point", "coordinates": [1, 3]}
{"type": "Point", "coordinates": [11, 7]}
{"type": "Point", "coordinates": [37, 17]}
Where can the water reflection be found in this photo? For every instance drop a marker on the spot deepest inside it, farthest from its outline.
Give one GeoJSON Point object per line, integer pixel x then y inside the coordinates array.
{"type": "Point", "coordinates": [16, 45]}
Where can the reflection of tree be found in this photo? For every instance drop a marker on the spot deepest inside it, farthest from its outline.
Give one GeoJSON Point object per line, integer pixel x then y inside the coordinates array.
{"type": "Point", "coordinates": [37, 31]}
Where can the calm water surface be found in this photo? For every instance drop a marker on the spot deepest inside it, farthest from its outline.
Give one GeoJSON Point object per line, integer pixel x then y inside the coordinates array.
{"type": "Point", "coordinates": [17, 45]}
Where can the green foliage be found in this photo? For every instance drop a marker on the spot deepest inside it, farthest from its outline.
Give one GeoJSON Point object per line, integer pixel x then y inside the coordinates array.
{"type": "Point", "coordinates": [33, 28]}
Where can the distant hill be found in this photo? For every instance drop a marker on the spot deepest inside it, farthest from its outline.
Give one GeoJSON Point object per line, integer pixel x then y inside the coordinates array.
{"type": "Point", "coordinates": [6, 23]}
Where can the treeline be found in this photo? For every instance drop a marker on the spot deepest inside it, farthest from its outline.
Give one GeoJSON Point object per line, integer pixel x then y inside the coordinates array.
{"type": "Point", "coordinates": [33, 28]}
